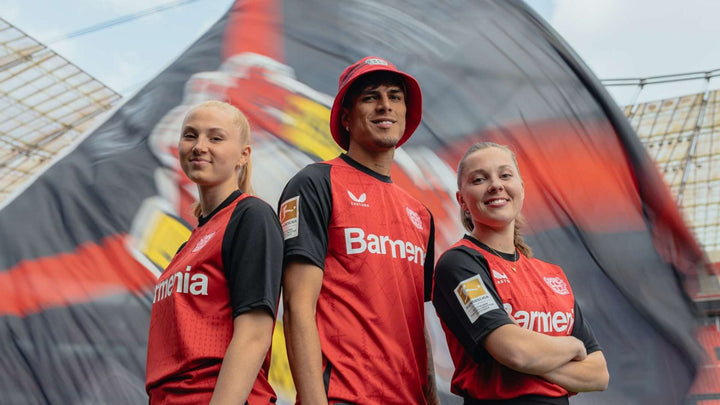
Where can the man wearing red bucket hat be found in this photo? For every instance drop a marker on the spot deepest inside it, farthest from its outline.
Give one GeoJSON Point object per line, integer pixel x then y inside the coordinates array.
{"type": "Point", "coordinates": [359, 254]}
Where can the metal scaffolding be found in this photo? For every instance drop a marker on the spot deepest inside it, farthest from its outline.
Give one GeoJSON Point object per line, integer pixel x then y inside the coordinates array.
{"type": "Point", "coordinates": [46, 103]}
{"type": "Point", "coordinates": [682, 135]}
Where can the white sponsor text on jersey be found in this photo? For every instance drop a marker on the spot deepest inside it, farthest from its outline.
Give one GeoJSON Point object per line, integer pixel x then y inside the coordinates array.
{"type": "Point", "coordinates": [183, 283]}
{"type": "Point", "coordinates": [356, 242]}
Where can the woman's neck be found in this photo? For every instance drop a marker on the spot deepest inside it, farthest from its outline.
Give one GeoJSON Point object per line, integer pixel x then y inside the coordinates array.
{"type": "Point", "coordinates": [502, 240]}
{"type": "Point", "coordinates": [212, 197]}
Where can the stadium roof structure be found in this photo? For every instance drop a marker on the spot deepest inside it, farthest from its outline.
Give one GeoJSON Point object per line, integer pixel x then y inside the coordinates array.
{"type": "Point", "coordinates": [682, 135]}
{"type": "Point", "coordinates": [46, 103]}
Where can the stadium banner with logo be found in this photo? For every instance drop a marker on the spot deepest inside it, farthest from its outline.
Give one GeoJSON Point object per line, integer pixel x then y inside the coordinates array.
{"type": "Point", "coordinates": [84, 242]}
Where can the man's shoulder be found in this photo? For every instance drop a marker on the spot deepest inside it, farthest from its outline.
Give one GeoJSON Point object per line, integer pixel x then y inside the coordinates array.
{"type": "Point", "coordinates": [313, 172]}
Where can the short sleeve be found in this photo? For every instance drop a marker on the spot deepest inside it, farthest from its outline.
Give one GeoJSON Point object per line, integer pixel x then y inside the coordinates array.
{"type": "Point", "coordinates": [460, 270]}
{"type": "Point", "coordinates": [583, 332]}
{"type": "Point", "coordinates": [252, 258]}
{"type": "Point", "coordinates": [305, 208]}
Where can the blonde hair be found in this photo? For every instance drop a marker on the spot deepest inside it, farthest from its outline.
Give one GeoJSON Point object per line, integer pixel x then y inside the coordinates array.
{"type": "Point", "coordinates": [465, 218]}
{"type": "Point", "coordinates": [240, 120]}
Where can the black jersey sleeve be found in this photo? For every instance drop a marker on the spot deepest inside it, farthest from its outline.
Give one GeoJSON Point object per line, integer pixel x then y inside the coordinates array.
{"type": "Point", "coordinates": [454, 267]}
{"type": "Point", "coordinates": [430, 260]}
{"type": "Point", "coordinates": [252, 258]}
{"type": "Point", "coordinates": [582, 331]}
{"type": "Point", "coordinates": [305, 208]}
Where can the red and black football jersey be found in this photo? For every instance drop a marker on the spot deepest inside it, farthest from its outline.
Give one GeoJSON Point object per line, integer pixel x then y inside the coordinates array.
{"type": "Point", "coordinates": [374, 243]}
{"type": "Point", "coordinates": [476, 291]}
{"type": "Point", "coordinates": [231, 264]}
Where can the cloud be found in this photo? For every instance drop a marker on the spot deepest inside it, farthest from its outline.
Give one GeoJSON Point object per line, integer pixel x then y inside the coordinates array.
{"type": "Point", "coordinates": [643, 38]}
{"type": "Point", "coordinates": [640, 38]}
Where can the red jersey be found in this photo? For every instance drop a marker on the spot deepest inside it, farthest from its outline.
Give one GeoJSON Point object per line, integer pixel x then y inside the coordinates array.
{"type": "Point", "coordinates": [230, 265]}
{"type": "Point", "coordinates": [374, 243]}
{"type": "Point", "coordinates": [476, 292]}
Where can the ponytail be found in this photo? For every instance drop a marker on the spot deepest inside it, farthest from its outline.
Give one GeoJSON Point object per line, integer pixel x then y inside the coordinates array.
{"type": "Point", "coordinates": [518, 239]}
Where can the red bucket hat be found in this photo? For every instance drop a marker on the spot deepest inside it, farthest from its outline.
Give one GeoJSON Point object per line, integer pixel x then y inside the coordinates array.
{"type": "Point", "coordinates": [413, 98]}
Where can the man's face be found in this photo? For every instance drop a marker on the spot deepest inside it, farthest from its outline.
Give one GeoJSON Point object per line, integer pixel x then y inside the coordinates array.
{"type": "Point", "coordinates": [376, 117]}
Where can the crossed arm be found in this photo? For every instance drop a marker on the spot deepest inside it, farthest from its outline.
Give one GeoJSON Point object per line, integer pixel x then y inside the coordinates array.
{"type": "Point", "coordinates": [562, 360]}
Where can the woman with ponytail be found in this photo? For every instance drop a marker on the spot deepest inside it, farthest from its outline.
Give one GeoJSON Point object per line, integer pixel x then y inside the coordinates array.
{"type": "Point", "coordinates": [214, 306]}
{"type": "Point", "coordinates": [515, 333]}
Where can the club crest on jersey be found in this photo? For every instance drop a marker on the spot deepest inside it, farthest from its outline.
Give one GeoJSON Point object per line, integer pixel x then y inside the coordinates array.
{"type": "Point", "coordinates": [202, 242]}
{"type": "Point", "coordinates": [414, 218]}
{"type": "Point", "coordinates": [500, 278]}
{"type": "Point", "coordinates": [358, 201]}
{"type": "Point", "coordinates": [557, 284]}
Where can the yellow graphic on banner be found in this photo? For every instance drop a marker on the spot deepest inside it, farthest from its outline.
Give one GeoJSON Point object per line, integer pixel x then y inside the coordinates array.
{"type": "Point", "coordinates": [162, 238]}
{"type": "Point", "coordinates": [309, 127]}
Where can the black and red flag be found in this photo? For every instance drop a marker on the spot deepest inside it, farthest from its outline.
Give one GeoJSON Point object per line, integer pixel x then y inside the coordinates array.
{"type": "Point", "coordinates": [83, 243]}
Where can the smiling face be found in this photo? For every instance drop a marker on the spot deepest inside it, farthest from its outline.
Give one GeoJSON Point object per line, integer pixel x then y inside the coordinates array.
{"type": "Point", "coordinates": [375, 115]}
{"type": "Point", "coordinates": [212, 148]}
{"type": "Point", "coordinates": [490, 188]}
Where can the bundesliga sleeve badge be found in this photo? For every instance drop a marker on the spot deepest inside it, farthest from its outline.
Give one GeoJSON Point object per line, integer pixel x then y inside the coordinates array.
{"type": "Point", "coordinates": [289, 217]}
{"type": "Point", "coordinates": [474, 298]}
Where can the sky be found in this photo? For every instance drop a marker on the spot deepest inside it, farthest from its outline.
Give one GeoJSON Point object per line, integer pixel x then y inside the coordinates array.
{"type": "Point", "coordinates": [615, 38]}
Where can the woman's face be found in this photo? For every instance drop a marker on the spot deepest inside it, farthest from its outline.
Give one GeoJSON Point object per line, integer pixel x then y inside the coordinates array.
{"type": "Point", "coordinates": [491, 188]}
{"type": "Point", "coordinates": [211, 150]}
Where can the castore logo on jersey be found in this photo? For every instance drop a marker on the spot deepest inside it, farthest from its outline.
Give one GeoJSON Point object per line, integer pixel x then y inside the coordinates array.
{"type": "Point", "coordinates": [358, 201]}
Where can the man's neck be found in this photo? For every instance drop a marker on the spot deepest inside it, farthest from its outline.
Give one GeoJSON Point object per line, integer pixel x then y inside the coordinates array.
{"type": "Point", "coordinates": [379, 162]}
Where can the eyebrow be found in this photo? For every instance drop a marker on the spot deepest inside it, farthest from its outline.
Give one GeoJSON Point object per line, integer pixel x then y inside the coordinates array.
{"type": "Point", "coordinates": [393, 88]}
{"type": "Point", "coordinates": [211, 130]}
{"type": "Point", "coordinates": [481, 170]}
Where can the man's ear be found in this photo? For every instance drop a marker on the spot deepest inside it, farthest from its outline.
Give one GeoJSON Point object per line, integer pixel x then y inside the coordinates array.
{"type": "Point", "coordinates": [345, 117]}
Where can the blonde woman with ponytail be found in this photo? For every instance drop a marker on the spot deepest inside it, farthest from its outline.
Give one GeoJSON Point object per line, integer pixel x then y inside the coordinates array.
{"type": "Point", "coordinates": [513, 327]}
{"type": "Point", "coordinates": [214, 306]}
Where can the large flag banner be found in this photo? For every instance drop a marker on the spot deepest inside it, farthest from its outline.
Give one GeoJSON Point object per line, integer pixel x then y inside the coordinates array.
{"type": "Point", "coordinates": [82, 245]}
